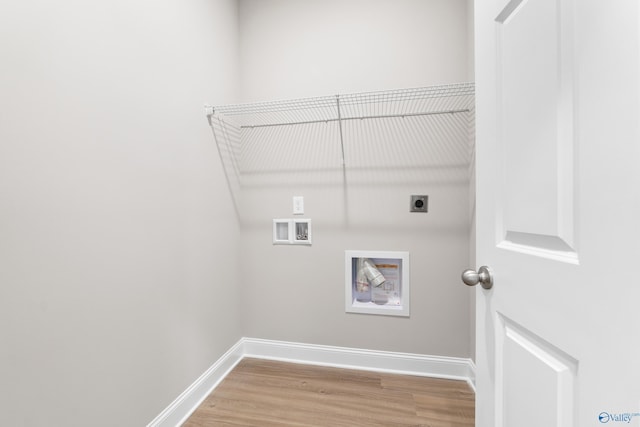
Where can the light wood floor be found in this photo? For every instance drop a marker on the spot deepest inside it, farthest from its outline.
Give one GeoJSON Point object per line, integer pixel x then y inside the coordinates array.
{"type": "Point", "coordinates": [264, 393]}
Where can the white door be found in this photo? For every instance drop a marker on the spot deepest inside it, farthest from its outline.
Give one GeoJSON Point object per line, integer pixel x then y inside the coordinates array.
{"type": "Point", "coordinates": [558, 212]}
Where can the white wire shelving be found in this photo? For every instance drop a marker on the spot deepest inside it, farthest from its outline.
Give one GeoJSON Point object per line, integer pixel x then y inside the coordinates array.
{"type": "Point", "coordinates": [444, 99]}
{"type": "Point", "coordinates": [253, 137]}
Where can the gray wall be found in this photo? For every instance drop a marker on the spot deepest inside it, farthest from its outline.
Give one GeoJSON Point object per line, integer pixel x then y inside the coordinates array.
{"type": "Point", "coordinates": [297, 49]}
{"type": "Point", "coordinates": [293, 48]}
{"type": "Point", "coordinates": [118, 254]}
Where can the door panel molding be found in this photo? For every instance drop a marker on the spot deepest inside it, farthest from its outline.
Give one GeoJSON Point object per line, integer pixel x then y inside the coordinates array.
{"type": "Point", "coordinates": [535, 128]}
{"type": "Point", "coordinates": [550, 247]}
{"type": "Point", "coordinates": [538, 371]}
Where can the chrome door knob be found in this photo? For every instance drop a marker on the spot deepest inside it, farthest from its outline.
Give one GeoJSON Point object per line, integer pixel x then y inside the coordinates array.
{"type": "Point", "coordinates": [482, 276]}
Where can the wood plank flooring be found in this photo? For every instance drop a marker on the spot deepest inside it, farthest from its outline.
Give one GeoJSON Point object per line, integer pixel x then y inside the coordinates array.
{"type": "Point", "coordinates": [265, 393]}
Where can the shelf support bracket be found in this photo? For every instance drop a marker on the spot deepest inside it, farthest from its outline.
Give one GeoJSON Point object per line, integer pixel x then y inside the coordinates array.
{"type": "Point", "coordinates": [340, 128]}
{"type": "Point", "coordinates": [344, 167]}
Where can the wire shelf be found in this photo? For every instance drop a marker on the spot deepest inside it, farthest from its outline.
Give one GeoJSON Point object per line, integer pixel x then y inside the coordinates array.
{"type": "Point", "coordinates": [381, 139]}
{"type": "Point", "coordinates": [444, 99]}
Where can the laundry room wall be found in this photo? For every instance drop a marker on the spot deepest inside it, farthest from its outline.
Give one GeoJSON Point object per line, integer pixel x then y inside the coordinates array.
{"type": "Point", "coordinates": [118, 237]}
{"type": "Point", "coordinates": [292, 49]}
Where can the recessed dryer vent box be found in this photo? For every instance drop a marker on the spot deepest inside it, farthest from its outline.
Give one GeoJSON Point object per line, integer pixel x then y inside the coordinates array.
{"type": "Point", "coordinates": [419, 203]}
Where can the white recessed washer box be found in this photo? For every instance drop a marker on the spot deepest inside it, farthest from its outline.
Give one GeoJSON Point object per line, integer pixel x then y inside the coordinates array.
{"type": "Point", "coordinates": [292, 232]}
{"type": "Point", "coordinates": [301, 231]}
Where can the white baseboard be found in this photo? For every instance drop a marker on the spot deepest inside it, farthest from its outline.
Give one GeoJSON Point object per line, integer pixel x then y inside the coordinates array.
{"type": "Point", "coordinates": [340, 357]}
{"type": "Point", "coordinates": [369, 360]}
{"type": "Point", "coordinates": [179, 410]}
